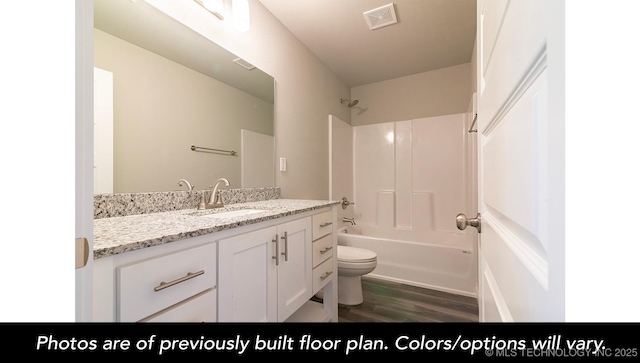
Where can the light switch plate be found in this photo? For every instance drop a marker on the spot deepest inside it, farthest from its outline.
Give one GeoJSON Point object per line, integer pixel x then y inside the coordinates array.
{"type": "Point", "coordinates": [283, 164]}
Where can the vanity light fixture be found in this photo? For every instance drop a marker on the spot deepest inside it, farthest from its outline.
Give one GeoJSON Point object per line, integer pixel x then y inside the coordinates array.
{"type": "Point", "coordinates": [215, 7]}
{"type": "Point", "coordinates": [239, 11]}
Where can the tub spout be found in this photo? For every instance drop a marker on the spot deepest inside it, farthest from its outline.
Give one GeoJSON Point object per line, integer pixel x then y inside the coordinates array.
{"type": "Point", "coordinates": [349, 220]}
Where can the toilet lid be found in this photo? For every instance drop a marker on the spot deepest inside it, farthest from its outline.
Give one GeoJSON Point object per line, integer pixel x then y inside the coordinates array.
{"type": "Point", "coordinates": [348, 253]}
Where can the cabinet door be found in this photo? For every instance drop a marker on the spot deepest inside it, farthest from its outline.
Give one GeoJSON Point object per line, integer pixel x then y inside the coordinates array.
{"type": "Point", "coordinates": [294, 266]}
{"type": "Point", "coordinates": [247, 281]}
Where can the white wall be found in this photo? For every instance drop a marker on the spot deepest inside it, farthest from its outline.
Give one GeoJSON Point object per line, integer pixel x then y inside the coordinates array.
{"type": "Point", "coordinates": [474, 68]}
{"type": "Point", "coordinates": [341, 157]}
{"type": "Point", "coordinates": [441, 92]}
{"type": "Point", "coordinates": [306, 91]}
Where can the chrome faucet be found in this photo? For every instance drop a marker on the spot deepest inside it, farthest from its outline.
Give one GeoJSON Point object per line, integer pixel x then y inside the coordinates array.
{"type": "Point", "coordinates": [215, 201]}
{"type": "Point", "coordinates": [349, 220]}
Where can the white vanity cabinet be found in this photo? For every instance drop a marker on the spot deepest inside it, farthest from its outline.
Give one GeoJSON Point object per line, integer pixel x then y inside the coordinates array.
{"type": "Point", "coordinates": [265, 275]}
{"type": "Point", "coordinates": [267, 271]}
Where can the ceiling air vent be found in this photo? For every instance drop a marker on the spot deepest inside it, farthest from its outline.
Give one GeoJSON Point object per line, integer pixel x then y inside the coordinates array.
{"type": "Point", "coordinates": [379, 17]}
{"type": "Point", "coordinates": [244, 64]}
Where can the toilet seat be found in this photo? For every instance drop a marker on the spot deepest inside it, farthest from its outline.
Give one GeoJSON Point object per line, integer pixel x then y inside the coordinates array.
{"type": "Point", "coordinates": [355, 255]}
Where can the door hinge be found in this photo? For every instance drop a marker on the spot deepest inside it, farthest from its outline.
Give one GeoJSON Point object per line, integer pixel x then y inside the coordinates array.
{"type": "Point", "coordinates": [82, 252]}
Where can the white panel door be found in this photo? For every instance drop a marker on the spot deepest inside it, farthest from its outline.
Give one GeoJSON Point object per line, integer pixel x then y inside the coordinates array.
{"type": "Point", "coordinates": [84, 161]}
{"type": "Point", "coordinates": [521, 160]}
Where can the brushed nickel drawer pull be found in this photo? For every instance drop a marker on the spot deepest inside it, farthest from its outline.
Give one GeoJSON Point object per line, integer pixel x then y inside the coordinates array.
{"type": "Point", "coordinates": [190, 275]}
{"type": "Point", "coordinates": [326, 224]}
{"type": "Point", "coordinates": [286, 246]}
{"type": "Point", "coordinates": [327, 249]}
{"type": "Point", "coordinates": [327, 274]}
{"type": "Point", "coordinates": [277, 256]}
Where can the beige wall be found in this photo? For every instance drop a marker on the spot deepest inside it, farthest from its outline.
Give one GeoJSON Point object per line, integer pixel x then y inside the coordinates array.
{"type": "Point", "coordinates": [306, 93]}
{"type": "Point", "coordinates": [161, 108]}
{"type": "Point", "coordinates": [436, 93]}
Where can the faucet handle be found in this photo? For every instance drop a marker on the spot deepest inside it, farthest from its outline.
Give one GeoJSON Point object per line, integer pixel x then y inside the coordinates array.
{"type": "Point", "coordinates": [345, 202]}
{"type": "Point", "coordinates": [202, 204]}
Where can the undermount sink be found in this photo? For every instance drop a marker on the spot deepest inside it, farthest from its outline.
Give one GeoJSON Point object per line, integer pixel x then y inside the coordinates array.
{"type": "Point", "coordinates": [233, 213]}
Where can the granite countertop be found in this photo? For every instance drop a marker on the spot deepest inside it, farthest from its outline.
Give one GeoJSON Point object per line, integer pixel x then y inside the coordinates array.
{"type": "Point", "coordinates": [117, 235]}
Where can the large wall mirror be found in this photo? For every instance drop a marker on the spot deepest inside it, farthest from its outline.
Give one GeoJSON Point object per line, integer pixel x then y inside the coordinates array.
{"type": "Point", "coordinates": [161, 88]}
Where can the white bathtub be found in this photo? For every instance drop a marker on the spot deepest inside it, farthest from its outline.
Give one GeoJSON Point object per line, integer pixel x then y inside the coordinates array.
{"type": "Point", "coordinates": [446, 263]}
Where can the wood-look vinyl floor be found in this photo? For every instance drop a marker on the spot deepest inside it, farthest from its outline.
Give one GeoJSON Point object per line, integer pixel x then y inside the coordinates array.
{"type": "Point", "coordinates": [386, 301]}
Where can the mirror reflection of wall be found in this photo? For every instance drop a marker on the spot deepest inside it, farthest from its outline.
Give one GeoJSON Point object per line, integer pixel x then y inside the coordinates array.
{"type": "Point", "coordinates": [161, 108]}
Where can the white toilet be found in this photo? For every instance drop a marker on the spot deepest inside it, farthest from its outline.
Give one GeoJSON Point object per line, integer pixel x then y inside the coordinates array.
{"type": "Point", "coordinates": [353, 262]}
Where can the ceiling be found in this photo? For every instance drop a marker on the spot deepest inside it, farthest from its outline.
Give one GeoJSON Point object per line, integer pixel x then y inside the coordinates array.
{"type": "Point", "coordinates": [428, 35]}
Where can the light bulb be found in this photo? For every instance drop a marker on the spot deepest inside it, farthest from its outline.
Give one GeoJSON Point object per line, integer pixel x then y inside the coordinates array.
{"type": "Point", "coordinates": [241, 18]}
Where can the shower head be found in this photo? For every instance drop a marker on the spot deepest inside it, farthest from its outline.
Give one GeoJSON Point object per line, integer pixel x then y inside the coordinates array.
{"type": "Point", "coordinates": [351, 103]}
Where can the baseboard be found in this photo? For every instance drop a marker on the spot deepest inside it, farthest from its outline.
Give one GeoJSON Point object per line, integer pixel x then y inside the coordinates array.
{"type": "Point", "coordinates": [426, 286]}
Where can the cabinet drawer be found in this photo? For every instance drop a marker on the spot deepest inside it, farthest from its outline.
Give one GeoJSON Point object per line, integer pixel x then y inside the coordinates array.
{"type": "Point", "coordinates": [322, 275]}
{"type": "Point", "coordinates": [322, 224]}
{"type": "Point", "coordinates": [322, 249]}
{"type": "Point", "coordinates": [147, 287]}
{"type": "Point", "coordinates": [198, 309]}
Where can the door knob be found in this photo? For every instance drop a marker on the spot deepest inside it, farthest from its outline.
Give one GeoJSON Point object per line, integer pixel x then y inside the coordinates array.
{"type": "Point", "coordinates": [462, 222]}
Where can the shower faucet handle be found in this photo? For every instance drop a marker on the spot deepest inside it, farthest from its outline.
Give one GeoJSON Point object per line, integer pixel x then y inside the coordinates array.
{"type": "Point", "coordinates": [345, 202]}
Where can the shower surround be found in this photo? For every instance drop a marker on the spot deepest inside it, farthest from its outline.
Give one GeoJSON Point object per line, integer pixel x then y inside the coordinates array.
{"type": "Point", "coordinates": [410, 180]}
